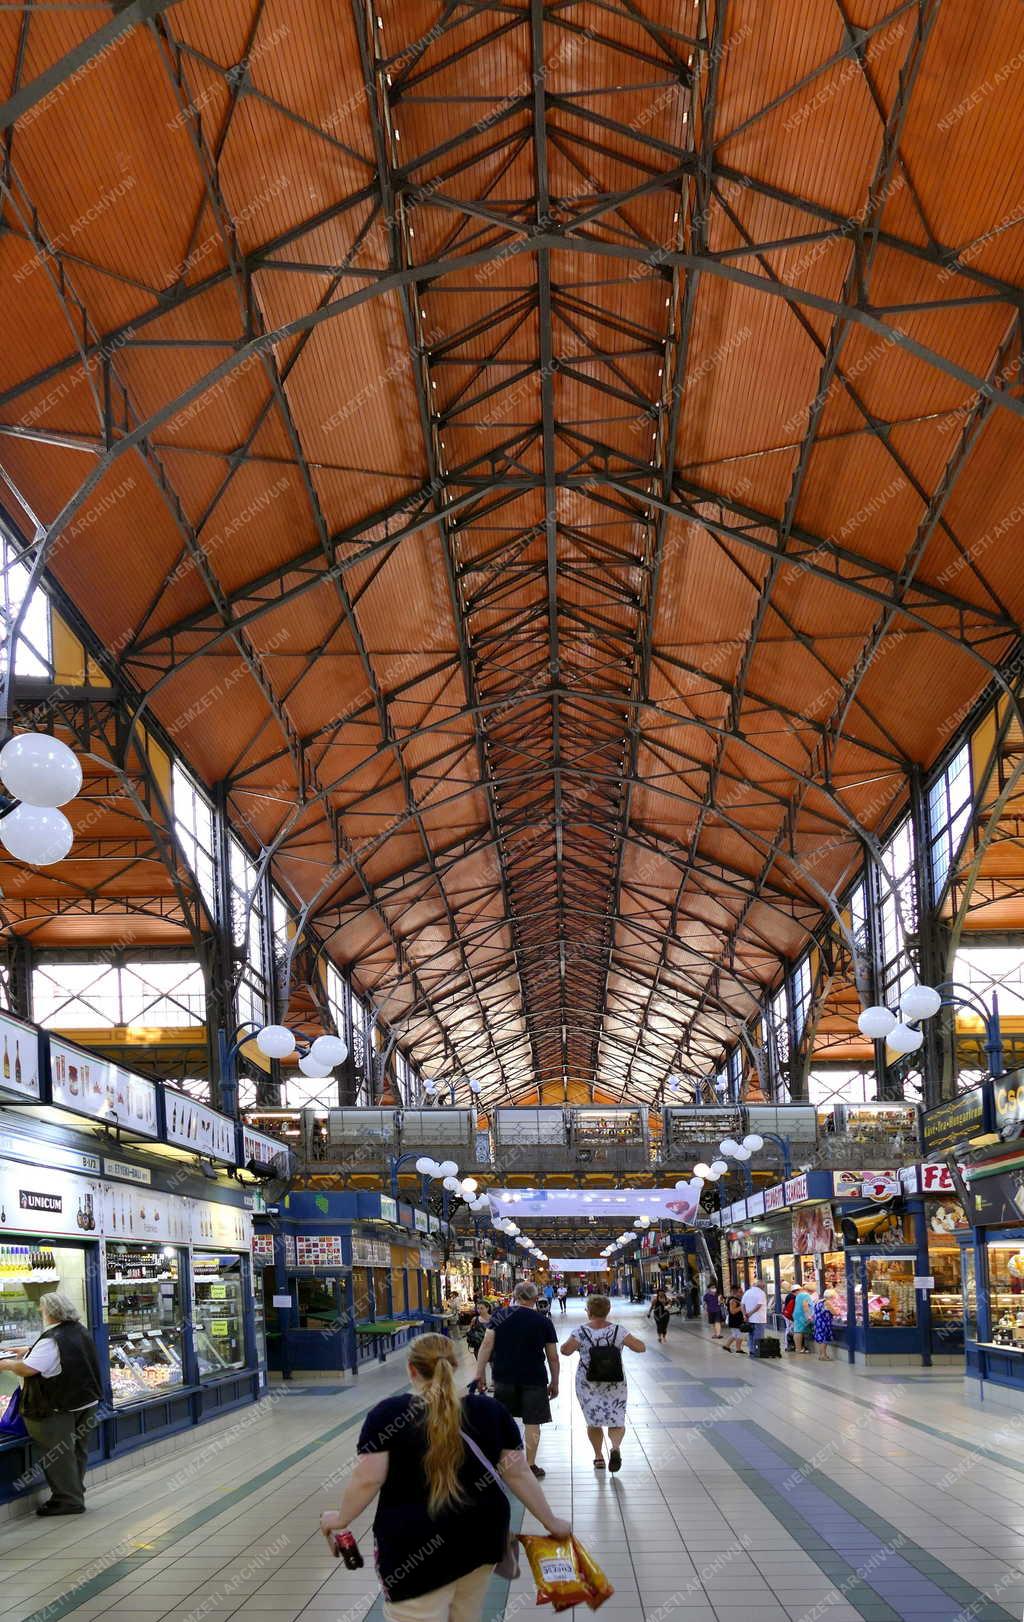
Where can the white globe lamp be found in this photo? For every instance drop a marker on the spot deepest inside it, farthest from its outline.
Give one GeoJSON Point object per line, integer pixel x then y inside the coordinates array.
{"type": "Point", "coordinates": [919, 1002]}
{"type": "Point", "coordinates": [275, 1042]}
{"type": "Point", "coordinates": [702, 1171]}
{"type": "Point", "coordinates": [728, 1146]}
{"type": "Point", "coordinates": [754, 1141]}
{"type": "Point", "coordinates": [39, 770]}
{"type": "Point", "coordinates": [425, 1166]}
{"type": "Point", "coordinates": [312, 1067]}
{"type": "Point", "coordinates": [904, 1039]}
{"type": "Point", "coordinates": [449, 1168]}
{"type": "Point", "coordinates": [329, 1051]}
{"type": "Point", "coordinates": [36, 835]}
{"type": "Point", "coordinates": [470, 1185]}
{"type": "Point", "coordinates": [741, 1153]}
{"type": "Point", "coordinates": [876, 1022]}
{"type": "Point", "coordinates": [720, 1167]}
{"type": "Point", "coordinates": [451, 1184]}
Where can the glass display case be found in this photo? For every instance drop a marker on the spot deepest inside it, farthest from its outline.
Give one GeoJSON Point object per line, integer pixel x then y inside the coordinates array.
{"type": "Point", "coordinates": [890, 1288]}
{"type": "Point", "coordinates": [1005, 1260]}
{"type": "Point", "coordinates": [28, 1269]}
{"type": "Point", "coordinates": [947, 1298]}
{"type": "Point", "coordinates": [969, 1287]}
{"type": "Point", "coordinates": [219, 1286]}
{"type": "Point", "coordinates": [144, 1318]}
{"type": "Point", "coordinates": [833, 1268]}
{"type": "Point", "coordinates": [606, 1126]}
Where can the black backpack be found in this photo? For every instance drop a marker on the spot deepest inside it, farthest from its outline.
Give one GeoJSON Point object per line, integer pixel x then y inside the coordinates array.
{"type": "Point", "coordinates": [605, 1364]}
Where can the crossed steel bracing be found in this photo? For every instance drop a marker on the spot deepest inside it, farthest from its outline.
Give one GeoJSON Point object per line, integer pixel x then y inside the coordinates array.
{"type": "Point", "coordinates": [564, 843]}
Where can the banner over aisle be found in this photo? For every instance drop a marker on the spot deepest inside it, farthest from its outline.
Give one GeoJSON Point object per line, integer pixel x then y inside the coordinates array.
{"type": "Point", "coordinates": [578, 1264]}
{"type": "Point", "coordinates": [660, 1204]}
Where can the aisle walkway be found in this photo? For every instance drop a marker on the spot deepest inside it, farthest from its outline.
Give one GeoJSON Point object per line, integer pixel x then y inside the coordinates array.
{"type": "Point", "coordinates": [777, 1492]}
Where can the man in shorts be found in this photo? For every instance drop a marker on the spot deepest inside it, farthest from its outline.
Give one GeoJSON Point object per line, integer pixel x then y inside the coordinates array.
{"type": "Point", "coordinates": [523, 1352]}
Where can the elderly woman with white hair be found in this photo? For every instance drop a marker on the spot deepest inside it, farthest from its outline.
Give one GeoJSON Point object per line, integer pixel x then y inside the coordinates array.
{"type": "Point", "coordinates": [61, 1390]}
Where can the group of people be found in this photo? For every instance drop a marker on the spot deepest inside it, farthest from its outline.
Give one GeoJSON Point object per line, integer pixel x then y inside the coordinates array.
{"type": "Point", "coordinates": [806, 1314]}
{"type": "Point", "coordinates": [440, 1464]}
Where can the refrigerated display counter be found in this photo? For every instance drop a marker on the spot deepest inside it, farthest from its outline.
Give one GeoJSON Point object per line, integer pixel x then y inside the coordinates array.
{"type": "Point", "coordinates": [218, 1282]}
{"type": "Point", "coordinates": [144, 1319]}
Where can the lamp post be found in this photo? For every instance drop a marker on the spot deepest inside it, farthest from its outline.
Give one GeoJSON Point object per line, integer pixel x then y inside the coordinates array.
{"type": "Point", "coordinates": [316, 1059]}
{"type": "Point", "coordinates": [784, 1150]}
{"type": "Point", "coordinates": [919, 1002]}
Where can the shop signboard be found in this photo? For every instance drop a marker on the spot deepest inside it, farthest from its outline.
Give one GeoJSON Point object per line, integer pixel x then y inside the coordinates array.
{"type": "Point", "coordinates": [388, 1208]}
{"type": "Point", "coordinates": [775, 1198]}
{"type": "Point", "coordinates": [755, 1205]}
{"type": "Point", "coordinates": [1008, 1104]}
{"type": "Point", "coordinates": [428, 1261]}
{"type": "Point", "coordinates": [953, 1122]}
{"type": "Point", "coordinates": [127, 1171]}
{"type": "Point", "coordinates": [196, 1126]}
{"type": "Point", "coordinates": [263, 1249]}
{"type": "Point", "coordinates": [19, 1058]}
{"type": "Point", "coordinates": [796, 1189]}
{"type": "Point", "coordinates": [866, 1185]}
{"type": "Point", "coordinates": [420, 1219]}
{"type": "Point", "coordinates": [90, 1085]}
{"type": "Point", "coordinates": [813, 1232]}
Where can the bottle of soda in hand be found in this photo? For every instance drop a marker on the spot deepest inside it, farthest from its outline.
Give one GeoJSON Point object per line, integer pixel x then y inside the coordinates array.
{"type": "Point", "coordinates": [346, 1546]}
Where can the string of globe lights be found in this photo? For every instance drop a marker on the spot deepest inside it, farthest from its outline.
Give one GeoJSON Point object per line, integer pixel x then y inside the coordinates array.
{"type": "Point", "coordinates": [40, 775]}
{"type": "Point", "coordinates": [506, 1226]}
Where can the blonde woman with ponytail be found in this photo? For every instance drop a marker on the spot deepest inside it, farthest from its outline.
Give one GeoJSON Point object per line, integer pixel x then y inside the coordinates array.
{"type": "Point", "coordinates": [442, 1519]}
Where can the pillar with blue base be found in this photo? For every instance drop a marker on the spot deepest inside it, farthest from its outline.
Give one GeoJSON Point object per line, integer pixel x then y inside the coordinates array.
{"type": "Point", "coordinates": [915, 1209]}
{"type": "Point", "coordinates": [284, 1314]}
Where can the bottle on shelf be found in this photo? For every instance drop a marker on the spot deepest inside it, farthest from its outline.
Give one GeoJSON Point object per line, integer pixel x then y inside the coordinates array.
{"type": "Point", "coordinates": [7, 1062]}
{"type": "Point", "coordinates": [17, 1063]}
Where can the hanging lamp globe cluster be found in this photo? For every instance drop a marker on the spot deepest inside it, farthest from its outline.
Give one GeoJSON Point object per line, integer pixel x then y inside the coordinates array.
{"type": "Point", "coordinates": [447, 1172]}
{"type": "Point", "coordinates": [899, 1031]}
{"type": "Point", "coordinates": [40, 773]}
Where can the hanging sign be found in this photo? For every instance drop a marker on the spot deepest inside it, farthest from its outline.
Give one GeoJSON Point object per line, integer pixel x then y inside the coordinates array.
{"type": "Point", "coordinates": [19, 1058]}
{"type": "Point", "coordinates": [91, 1085]}
{"type": "Point", "coordinates": [953, 1122]}
{"type": "Point", "coordinates": [258, 1146]}
{"type": "Point", "coordinates": [215, 1224]}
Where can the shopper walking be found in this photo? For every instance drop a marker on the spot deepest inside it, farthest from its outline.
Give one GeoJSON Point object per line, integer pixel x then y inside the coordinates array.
{"type": "Point", "coordinates": [563, 1297]}
{"type": "Point", "coordinates": [754, 1304]}
{"type": "Point", "coordinates": [478, 1325]}
{"type": "Point", "coordinates": [601, 1379]}
{"type": "Point", "coordinates": [823, 1329]}
{"type": "Point", "coordinates": [788, 1307]}
{"type": "Point", "coordinates": [442, 1519]}
{"type": "Point", "coordinates": [549, 1293]}
{"type": "Point", "coordinates": [61, 1387]}
{"type": "Point", "coordinates": [734, 1327]}
{"type": "Point", "coordinates": [523, 1352]}
{"type": "Point", "coordinates": [713, 1308]}
{"type": "Point", "coordinates": [661, 1312]}
{"type": "Point", "coordinates": [803, 1317]}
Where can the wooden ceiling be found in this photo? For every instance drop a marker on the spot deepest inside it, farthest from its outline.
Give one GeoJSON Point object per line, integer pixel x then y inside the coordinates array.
{"type": "Point", "coordinates": [556, 463]}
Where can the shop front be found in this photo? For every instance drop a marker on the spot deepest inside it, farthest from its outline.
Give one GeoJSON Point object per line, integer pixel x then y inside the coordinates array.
{"type": "Point", "coordinates": [130, 1251]}
{"type": "Point", "coordinates": [993, 1271]}
{"type": "Point", "coordinates": [347, 1278]}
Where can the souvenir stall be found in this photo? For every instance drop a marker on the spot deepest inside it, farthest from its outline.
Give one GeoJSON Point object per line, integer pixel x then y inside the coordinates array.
{"type": "Point", "coordinates": [353, 1277]}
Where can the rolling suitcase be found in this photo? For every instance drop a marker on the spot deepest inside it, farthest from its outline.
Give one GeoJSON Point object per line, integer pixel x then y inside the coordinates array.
{"type": "Point", "coordinates": [768, 1346]}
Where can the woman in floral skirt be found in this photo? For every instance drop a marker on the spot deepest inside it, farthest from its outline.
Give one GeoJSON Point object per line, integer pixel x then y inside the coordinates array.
{"type": "Point", "coordinates": [823, 1329]}
{"type": "Point", "coordinates": [603, 1403]}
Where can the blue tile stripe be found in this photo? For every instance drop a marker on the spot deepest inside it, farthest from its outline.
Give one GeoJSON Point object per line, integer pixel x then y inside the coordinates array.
{"type": "Point", "coordinates": [880, 1571]}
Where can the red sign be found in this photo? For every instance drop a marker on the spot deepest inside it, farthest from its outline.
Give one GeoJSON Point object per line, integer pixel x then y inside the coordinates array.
{"type": "Point", "coordinates": [775, 1198]}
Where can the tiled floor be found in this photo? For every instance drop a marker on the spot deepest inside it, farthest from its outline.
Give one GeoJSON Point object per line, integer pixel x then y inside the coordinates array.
{"type": "Point", "coordinates": [776, 1492]}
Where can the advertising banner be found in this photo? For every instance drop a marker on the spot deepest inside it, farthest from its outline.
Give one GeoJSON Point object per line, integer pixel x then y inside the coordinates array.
{"type": "Point", "coordinates": [866, 1185]}
{"type": "Point", "coordinates": [998, 1200]}
{"type": "Point", "coordinates": [953, 1122]}
{"type": "Point", "coordinates": [660, 1204]}
{"type": "Point", "coordinates": [196, 1126]}
{"type": "Point", "coordinates": [257, 1146]}
{"type": "Point", "coordinates": [91, 1085]}
{"type": "Point", "coordinates": [578, 1264]}
{"type": "Point", "coordinates": [813, 1232]}
{"type": "Point", "coordinates": [19, 1058]}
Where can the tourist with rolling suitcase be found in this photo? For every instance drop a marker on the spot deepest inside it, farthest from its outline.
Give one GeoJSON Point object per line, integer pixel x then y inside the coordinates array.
{"type": "Point", "coordinates": [754, 1305]}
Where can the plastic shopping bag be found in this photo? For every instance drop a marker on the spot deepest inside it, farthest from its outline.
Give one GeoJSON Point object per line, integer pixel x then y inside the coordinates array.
{"type": "Point", "coordinates": [565, 1574]}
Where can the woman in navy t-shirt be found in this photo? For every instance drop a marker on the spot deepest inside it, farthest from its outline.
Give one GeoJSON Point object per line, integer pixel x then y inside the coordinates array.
{"type": "Point", "coordinates": [442, 1520]}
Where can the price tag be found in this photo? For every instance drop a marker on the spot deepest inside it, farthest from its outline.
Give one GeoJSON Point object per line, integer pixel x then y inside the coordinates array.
{"type": "Point", "coordinates": [219, 1326]}
{"type": "Point", "coordinates": [218, 1292]}
{"type": "Point", "coordinates": [924, 1283]}
{"type": "Point", "coordinates": [281, 1300]}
